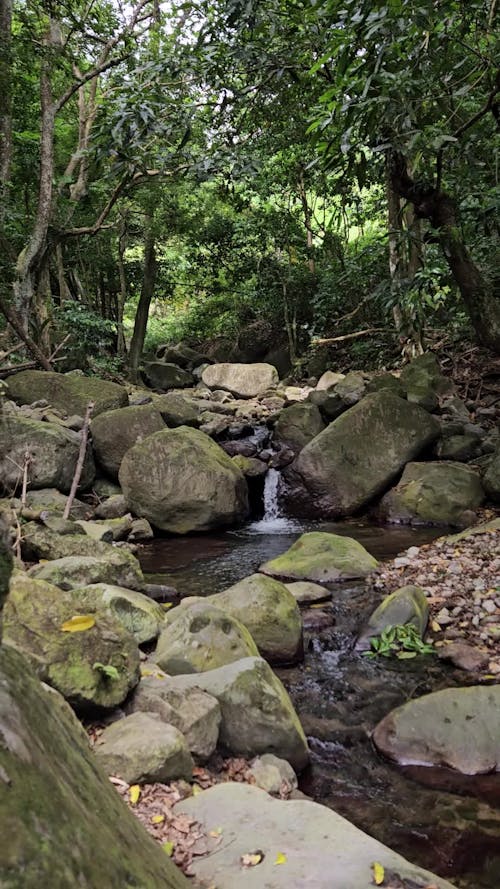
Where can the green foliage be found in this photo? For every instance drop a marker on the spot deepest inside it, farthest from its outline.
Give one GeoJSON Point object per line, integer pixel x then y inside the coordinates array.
{"type": "Point", "coordinates": [403, 642]}
{"type": "Point", "coordinates": [109, 672]}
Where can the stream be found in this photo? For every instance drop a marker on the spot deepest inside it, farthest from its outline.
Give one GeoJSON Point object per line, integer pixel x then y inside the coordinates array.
{"type": "Point", "coordinates": [437, 818]}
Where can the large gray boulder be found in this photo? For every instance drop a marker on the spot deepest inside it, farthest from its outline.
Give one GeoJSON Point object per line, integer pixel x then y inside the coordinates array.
{"type": "Point", "coordinates": [68, 393]}
{"type": "Point", "coordinates": [179, 410]}
{"type": "Point", "coordinates": [319, 848]}
{"type": "Point", "coordinates": [142, 749]}
{"type": "Point", "coordinates": [72, 661]}
{"type": "Point", "coordinates": [358, 455]}
{"type": "Point", "coordinates": [140, 615]}
{"type": "Point", "coordinates": [61, 821]}
{"type": "Point", "coordinates": [433, 494]}
{"type": "Point", "coordinates": [161, 375]}
{"type": "Point", "coordinates": [115, 432]}
{"type": "Point", "coordinates": [407, 605]}
{"type": "Point", "coordinates": [458, 728]}
{"type": "Point", "coordinates": [424, 382]}
{"type": "Point", "coordinates": [321, 557]}
{"type": "Point", "coordinates": [298, 424]}
{"type": "Point", "coordinates": [242, 380]}
{"type": "Point", "coordinates": [41, 542]}
{"type": "Point", "coordinates": [118, 567]}
{"type": "Point", "coordinates": [271, 614]}
{"type": "Point", "coordinates": [199, 637]}
{"type": "Point", "coordinates": [195, 713]}
{"type": "Point", "coordinates": [257, 714]}
{"type": "Point", "coordinates": [181, 481]}
{"type": "Point", "coordinates": [53, 454]}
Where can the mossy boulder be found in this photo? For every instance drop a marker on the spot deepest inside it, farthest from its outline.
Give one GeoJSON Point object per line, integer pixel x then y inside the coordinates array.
{"type": "Point", "coordinates": [61, 821]}
{"type": "Point", "coordinates": [163, 375]}
{"type": "Point", "coordinates": [118, 567]}
{"type": "Point", "coordinates": [194, 712]}
{"type": "Point", "coordinates": [424, 382]}
{"type": "Point", "coordinates": [53, 454]}
{"type": "Point", "coordinates": [41, 542]}
{"type": "Point", "coordinates": [139, 614]}
{"type": "Point", "coordinates": [408, 605]}
{"type": "Point", "coordinates": [433, 494]}
{"type": "Point", "coordinates": [269, 612]}
{"type": "Point", "coordinates": [72, 662]}
{"type": "Point", "coordinates": [142, 749]}
{"type": "Point", "coordinates": [5, 561]}
{"type": "Point", "coordinates": [179, 410]}
{"type": "Point", "coordinates": [298, 424]}
{"type": "Point", "coordinates": [181, 481]}
{"type": "Point", "coordinates": [322, 558]}
{"type": "Point", "coordinates": [358, 455]}
{"type": "Point", "coordinates": [257, 714]}
{"type": "Point", "coordinates": [115, 432]}
{"type": "Point", "coordinates": [458, 728]}
{"type": "Point", "coordinates": [53, 501]}
{"type": "Point", "coordinates": [199, 637]}
{"type": "Point", "coordinates": [491, 478]}
{"type": "Point", "coordinates": [68, 393]}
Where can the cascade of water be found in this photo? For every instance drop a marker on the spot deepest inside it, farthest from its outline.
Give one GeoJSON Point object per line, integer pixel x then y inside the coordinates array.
{"type": "Point", "coordinates": [271, 490]}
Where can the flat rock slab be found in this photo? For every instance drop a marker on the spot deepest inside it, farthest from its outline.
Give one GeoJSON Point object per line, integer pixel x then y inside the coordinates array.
{"type": "Point", "coordinates": [242, 380]}
{"type": "Point", "coordinates": [458, 728]}
{"type": "Point", "coordinates": [321, 557]}
{"type": "Point", "coordinates": [322, 849]}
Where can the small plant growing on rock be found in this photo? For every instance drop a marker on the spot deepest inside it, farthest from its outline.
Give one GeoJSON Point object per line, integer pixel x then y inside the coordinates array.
{"type": "Point", "coordinates": [402, 641]}
{"type": "Point", "coordinates": [107, 670]}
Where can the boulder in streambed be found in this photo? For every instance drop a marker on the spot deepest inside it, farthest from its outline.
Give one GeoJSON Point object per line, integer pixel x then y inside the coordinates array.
{"type": "Point", "coordinates": [53, 454]}
{"type": "Point", "coordinates": [304, 592]}
{"type": "Point", "coordinates": [358, 455]}
{"type": "Point", "coordinates": [408, 605]}
{"type": "Point", "coordinates": [181, 481]}
{"type": "Point", "coordinates": [118, 567]}
{"type": "Point", "coordinates": [53, 501]}
{"type": "Point", "coordinates": [195, 713]}
{"type": "Point", "coordinates": [298, 424]}
{"type": "Point", "coordinates": [115, 432]}
{"type": "Point", "coordinates": [322, 558]}
{"type": "Point", "coordinates": [458, 728]}
{"type": "Point", "coordinates": [93, 666]}
{"type": "Point", "coordinates": [242, 380]}
{"type": "Point", "coordinates": [179, 410]}
{"type": "Point", "coordinates": [269, 612]}
{"type": "Point", "coordinates": [199, 636]}
{"type": "Point", "coordinates": [142, 749]}
{"type": "Point", "coordinates": [433, 494]}
{"type": "Point", "coordinates": [491, 479]}
{"type": "Point", "coordinates": [257, 714]}
{"type": "Point", "coordinates": [162, 375]}
{"type": "Point", "coordinates": [424, 382]}
{"type": "Point", "coordinates": [61, 821]}
{"type": "Point", "coordinates": [317, 847]}
{"type": "Point", "coordinates": [68, 393]}
{"type": "Point", "coordinates": [140, 615]}
{"type": "Point", "coordinates": [41, 542]}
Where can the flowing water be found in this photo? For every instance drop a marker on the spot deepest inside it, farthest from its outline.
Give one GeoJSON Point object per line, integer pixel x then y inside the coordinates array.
{"type": "Point", "coordinates": [441, 820]}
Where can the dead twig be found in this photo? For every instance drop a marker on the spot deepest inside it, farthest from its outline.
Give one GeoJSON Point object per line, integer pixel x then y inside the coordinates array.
{"type": "Point", "coordinates": [27, 461]}
{"type": "Point", "coordinates": [80, 461]}
{"type": "Point", "coordinates": [347, 336]}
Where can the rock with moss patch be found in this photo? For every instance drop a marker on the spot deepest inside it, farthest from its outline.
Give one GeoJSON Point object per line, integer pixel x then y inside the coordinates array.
{"type": "Point", "coordinates": [194, 712]}
{"type": "Point", "coordinates": [117, 567]}
{"type": "Point", "coordinates": [303, 591]}
{"type": "Point", "coordinates": [199, 637]}
{"type": "Point", "coordinates": [179, 410]}
{"type": "Point", "coordinates": [181, 481]}
{"type": "Point", "coordinates": [424, 382]}
{"type": "Point", "coordinates": [322, 558]}
{"type": "Point", "coordinates": [53, 454]}
{"type": "Point", "coordinates": [61, 821]}
{"type": "Point", "coordinates": [163, 375]}
{"type": "Point", "coordinates": [491, 478]}
{"type": "Point", "coordinates": [42, 542]}
{"type": "Point", "coordinates": [257, 714]}
{"type": "Point", "coordinates": [139, 614]}
{"type": "Point", "coordinates": [270, 613]}
{"type": "Point", "coordinates": [142, 749]}
{"type": "Point", "coordinates": [115, 432]}
{"type": "Point", "coordinates": [70, 393]}
{"type": "Point", "coordinates": [358, 455]}
{"type": "Point", "coordinates": [273, 774]}
{"type": "Point", "coordinates": [298, 424]}
{"type": "Point", "coordinates": [51, 500]}
{"type": "Point", "coordinates": [408, 605]}
{"type": "Point", "coordinates": [458, 728]}
{"type": "Point", "coordinates": [433, 494]}
{"type": "Point", "coordinates": [94, 667]}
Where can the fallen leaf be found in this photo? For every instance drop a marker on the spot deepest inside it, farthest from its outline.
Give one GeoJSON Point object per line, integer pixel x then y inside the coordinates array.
{"type": "Point", "coordinates": [78, 623]}
{"type": "Point", "coordinates": [196, 789]}
{"type": "Point", "coordinates": [157, 819]}
{"type": "Point", "coordinates": [251, 859]}
{"type": "Point", "coordinates": [378, 873]}
{"type": "Point", "coordinates": [134, 794]}
{"type": "Point", "coordinates": [166, 605]}
{"type": "Point", "coordinates": [215, 833]}
{"type": "Point", "coordinates": [435, 626]}
{"type": "Point", "coordinates": [280, 858]}
{"type": "Point", "coordinates": [168, 847]}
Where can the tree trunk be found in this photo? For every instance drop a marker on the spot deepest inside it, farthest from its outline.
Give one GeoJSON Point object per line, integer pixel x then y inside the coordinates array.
{"type": "Point", "coordinates": [480, 297]}
{"type": "Point", "coordinates": [5, 102]}
{"type": "Point", "coordinates": [121, 347]}
{"type": "Point", "coordinates": [147, 290]}
{"type": "Point", "coordinates": [307, 222]}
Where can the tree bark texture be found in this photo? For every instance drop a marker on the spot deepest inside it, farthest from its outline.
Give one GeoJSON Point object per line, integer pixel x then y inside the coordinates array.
{"type": "Point", "coordinates": [147, 291]}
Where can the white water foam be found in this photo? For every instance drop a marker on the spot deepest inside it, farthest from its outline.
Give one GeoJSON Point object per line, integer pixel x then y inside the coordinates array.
{"type": "Point", "coordinates": [273, 520]}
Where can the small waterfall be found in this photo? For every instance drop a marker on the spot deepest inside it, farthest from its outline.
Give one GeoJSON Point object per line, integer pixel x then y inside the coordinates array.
{"type": "Point", "coordinates": [271, 490]}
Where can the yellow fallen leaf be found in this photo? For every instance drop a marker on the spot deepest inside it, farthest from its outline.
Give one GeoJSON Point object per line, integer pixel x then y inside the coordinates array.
{"type": "Point", "coordinates": [134, 794]}
{"type": "Point", "coordinates": [157, 819]}
{"type": "Point", "coordinates": [250, 859]}
{"type": "Point", "coordinates": [196, 789]}
{"type": "Point", "coordinates": [435, 627]}
{"type": "Point", "coordinates": [215, 833]}
{"type": "Point", "coordinates": [280, 858]}
{"type": "Point", "coordinates": [168, 847]}
{"type": "Point", "coordinates": [78, 623]}
{"type": "Point", "coordinates": [146, 672]}
{"type": "Point", "coordinates": [166, 605]}
{"type": "Point", "coordinates": [378, 873]}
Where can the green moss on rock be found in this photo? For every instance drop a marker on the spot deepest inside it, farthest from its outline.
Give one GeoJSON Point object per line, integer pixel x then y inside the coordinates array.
{"type": "Point", "coordinates": [322, 558]}
{"type": "Point", "coordinates": [69, 393]}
